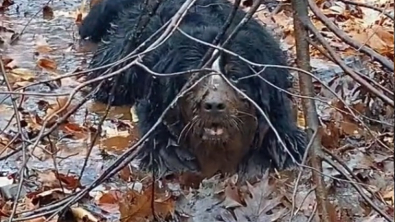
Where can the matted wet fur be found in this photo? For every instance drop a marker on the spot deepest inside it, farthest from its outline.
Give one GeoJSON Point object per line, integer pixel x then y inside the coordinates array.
{"type": "Point", "coordinates": [213, 128]}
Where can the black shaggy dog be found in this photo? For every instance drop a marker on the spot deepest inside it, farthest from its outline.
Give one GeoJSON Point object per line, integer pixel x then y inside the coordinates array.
{"type": "Point", "coordinates": [213, 128]}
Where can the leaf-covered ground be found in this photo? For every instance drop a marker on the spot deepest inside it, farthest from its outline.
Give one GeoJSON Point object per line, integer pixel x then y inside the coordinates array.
{"type": "Point", "coordinates": [41, 56]}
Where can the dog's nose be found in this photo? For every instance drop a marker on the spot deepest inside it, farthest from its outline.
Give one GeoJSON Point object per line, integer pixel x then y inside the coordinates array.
{"type": "Point", "coordinates": [214, 106]}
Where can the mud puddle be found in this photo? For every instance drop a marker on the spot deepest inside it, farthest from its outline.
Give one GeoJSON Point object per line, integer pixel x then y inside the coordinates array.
{"type": "Point", "coordinates": [52, 36]}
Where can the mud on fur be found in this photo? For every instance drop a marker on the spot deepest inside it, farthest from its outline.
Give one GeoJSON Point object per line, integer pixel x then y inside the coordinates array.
{"type": "Point", "coordinates": [213, 128]}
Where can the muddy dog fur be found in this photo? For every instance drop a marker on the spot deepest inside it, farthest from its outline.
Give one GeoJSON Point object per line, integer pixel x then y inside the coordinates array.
{"type": "Point", "coordinates": [213, 128]}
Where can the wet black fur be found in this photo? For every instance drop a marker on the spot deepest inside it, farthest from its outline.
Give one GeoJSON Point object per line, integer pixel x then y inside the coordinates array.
{"type": "Point", "coordinates": [96, 24]}
{"type": "Point", "coordinates": [152, 95]}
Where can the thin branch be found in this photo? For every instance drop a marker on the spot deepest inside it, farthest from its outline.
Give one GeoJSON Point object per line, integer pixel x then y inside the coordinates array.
{"type": "Point", "coordinates": [310, 112]}
{"type": "Point", "coordinates": [357, 45]}
{"type": "Point", "coordinates": [246, 18]}
{"type": "Point", "coordinates": [344, 165]}
{"type": "Point", "coordinates": [323, 52]}
{"type": "Point", "coordinates": [24, 147]}
{"type": "Point", "coordinates": [338, 167]}
{"type": "Point", "coordinates": [128, 155]}
{"type": "Point", "coordinates": [27, 24]}
{"type": "Point", "coordinates": [284, 67]}
{"type": "Point", "coordinates": [361, 4]}
{"type": "Point", "coordinates": [301, 170]}
{"type": "Point", "coordinates": [346, 69]}
{"type": "Point", "coordinates": [221, 34]}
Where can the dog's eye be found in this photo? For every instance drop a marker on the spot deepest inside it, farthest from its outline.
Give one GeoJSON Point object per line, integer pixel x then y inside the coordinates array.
{"type": "Point", "coordinates": [234, 79]}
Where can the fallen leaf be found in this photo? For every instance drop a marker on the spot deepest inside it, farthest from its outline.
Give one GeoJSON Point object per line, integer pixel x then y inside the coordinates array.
{"type": "Point", "coordinates": [56, 107]}
{"type": "Point", "coordinates": [48, 64]}
{"type": "Point", "coordinates": [42, 45]}
{"type": "Point", "coordinates": [23, 74]}
{"type": "Point", "coordinates": [330, 135]}
{"type": "Point", "coordinates": [108, 197]}
{"type": "Point", "coordinates": [259, 204]}
{"type": "Point", "coordinates": [77, 131]}
{"type": "Point", "coordinates": [137, 206]}
{"type": "Point", "coordinates": [389, 197]}
{"type": "Point", "coordinates": [52, 180]}
{"type": "Point", "coordinates": [48, 13]}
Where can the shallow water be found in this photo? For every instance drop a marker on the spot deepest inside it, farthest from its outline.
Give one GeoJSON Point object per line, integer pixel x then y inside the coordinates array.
{"type": "Point", "coordinates": [55, 39]}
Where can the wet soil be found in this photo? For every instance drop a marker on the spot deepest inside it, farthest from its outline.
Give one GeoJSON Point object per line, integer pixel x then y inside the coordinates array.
{"type": "Point", "coordinates": [60, 35]}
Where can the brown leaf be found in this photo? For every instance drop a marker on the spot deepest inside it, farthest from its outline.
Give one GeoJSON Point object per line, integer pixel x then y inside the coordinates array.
{"type": "Point", "coordinates": [76, 130]}
{"type": "Point", "coordinates": [56, 107]}
{"type": "Point", "coordinates": [260, 204]}
{"type": "Point", "coordinates": [111, 197]}
{"type": "Point", "coordinates": [48, 64]}
{"type": "Point", "coordinates": [50, 179]}
{"type": "Point", "coordinates": [330, 135]}
{"type": "Point", "coordinates": [125, 174]}
{"type": "Point", "coordinates": [351, 129]}
{"type": "Point", "coordinates": [232, 195]}
{"type": "Point", "coordinates": [371, 37]}
{"type": "Point", "coordinates": [7, 3]}
{"type": "Point", "coordinates": [6, 60]}
{"type": "Point", "coordinates": [78, 20]}
{"type": "Point", "coordinates": [22, 74]}
{"type": "Point", "coordinates": [37, 199]}
{"type": "Point", "coordinates": [48, 13]}
{"type": "Point", "coordinates": [69, 182]}
{"type": "Point", "coordinates": [39, 219]}
{"type": "Point", "coordinates": [5, 143]}
{"type": "Point", "coordinates": [6, 208]}
{"type": "Point", "coordinates": [389, 197]}
{"type": "Point", "coordinates": [12, 64]}
{"type": "Point", "coordinates": [137, 206]}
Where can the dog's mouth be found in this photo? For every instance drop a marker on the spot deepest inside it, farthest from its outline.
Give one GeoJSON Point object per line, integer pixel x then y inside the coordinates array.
{"type": "Point", "coordinates": [214, 132]}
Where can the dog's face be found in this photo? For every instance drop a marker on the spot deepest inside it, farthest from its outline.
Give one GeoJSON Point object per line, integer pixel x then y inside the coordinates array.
{"type": "Point", "coordinates": [217, 116]}
{"type": "Point", "coordinates": [220, 125]}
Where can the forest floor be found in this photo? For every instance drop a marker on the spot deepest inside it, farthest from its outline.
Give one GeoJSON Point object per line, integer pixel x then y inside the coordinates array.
{"type": "Point", "coordinates": [41, 54]}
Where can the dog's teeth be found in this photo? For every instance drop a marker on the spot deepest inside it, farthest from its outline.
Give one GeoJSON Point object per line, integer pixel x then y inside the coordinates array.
{"type": "Point", "coordinates": [214, 131]}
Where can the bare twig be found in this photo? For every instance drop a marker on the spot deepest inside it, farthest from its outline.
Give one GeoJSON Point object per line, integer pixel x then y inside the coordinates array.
{"type": "Point", "coordinates": [246, 18]}
{"type": "Point", "coordinates": [301, 169]}
{"type": "Point", "coordinates": [27, 24]}
{"type": "Point", "coordinates": [357, 45]}
{"type": "Point", "coordinates": [338, 60]}
{"type": "Point", "coordinates": [309, 108]}
{"type": "Point", "coordinates": [344, 165]}
{"type": "Point", "coordinates": [338, 167]}
{"type": "Point", "coordinates": [368, 6]}
{"type": "Point", "coordinates": [323, 52]}
{"type": "Point", "coordinates": [313, 213]}
{"type": "Point", "coordinates": [97, 134]}
{"type": "Point", "coordinates": [128, 155]}
{"type": "Point", "coordinates": [284, 67]}
{"type": "Point", "coordinates": [221, 34]}
{"type": "Point", "coordinates": [24, 147]}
